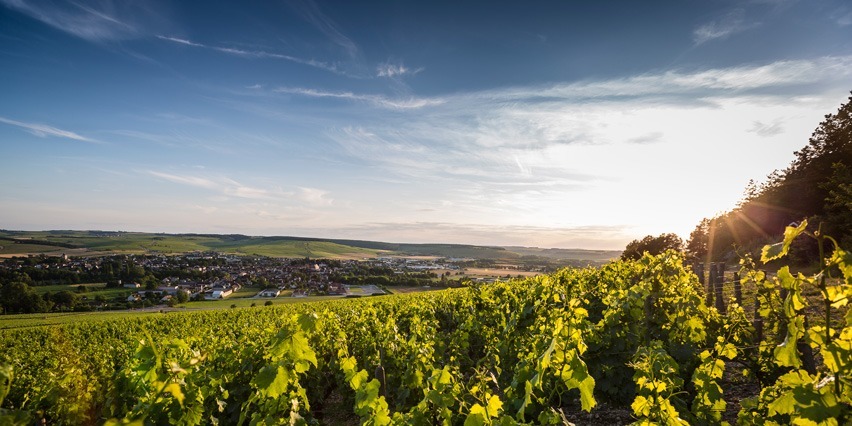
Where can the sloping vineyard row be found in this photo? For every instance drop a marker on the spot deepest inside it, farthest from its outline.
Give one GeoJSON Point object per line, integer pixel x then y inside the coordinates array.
{"type": "Point", "coordinates": [634, 334]}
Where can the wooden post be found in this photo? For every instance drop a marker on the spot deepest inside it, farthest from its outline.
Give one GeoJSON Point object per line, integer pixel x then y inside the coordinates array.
{"type": "Point", "coordinates": [782, 323]}
{"type": "Point", "coordinates": [649, 313]}
{"type": "Point", "coordinates": [379, 373]}
{"type": "Point", "coordinates": [738, 289]}
{"type": "Point", "coordinates": [807, 352]}
{"type": "Point", "coordinates": [699, 267]}
{"type": "Point", "coordinates": [758, 321]}
{"type": "Point", "coordinates": [720, 298]}
{"type": "Point", "coordinates": [711, 284]}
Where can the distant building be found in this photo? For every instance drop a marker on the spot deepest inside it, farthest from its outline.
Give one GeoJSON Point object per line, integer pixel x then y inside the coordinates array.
{"type": "Point", "coordinates": [218, 294]}
{"type": "Point", "coordinates": [270, 292]}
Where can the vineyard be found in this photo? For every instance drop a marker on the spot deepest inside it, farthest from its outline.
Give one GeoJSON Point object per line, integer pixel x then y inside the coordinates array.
{"type": "Point", "coordinates": [635, 336]}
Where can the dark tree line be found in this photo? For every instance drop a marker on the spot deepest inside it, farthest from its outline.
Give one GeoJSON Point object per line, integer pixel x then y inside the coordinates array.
{"type": "Point", "coordinates": [817, 185]}
{"type": "Point", "coordinates": [653, 245]}
{"type": "Point", "coordinates": [19, 298]}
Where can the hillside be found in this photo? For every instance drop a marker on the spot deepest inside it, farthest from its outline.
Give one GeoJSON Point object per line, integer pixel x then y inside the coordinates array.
{"type": "Point", "coordinates": [103, 242]}
{"type": "Point", "coordinates": [817, 185]}
{"type": "Point", "coordinates": [632, 341]}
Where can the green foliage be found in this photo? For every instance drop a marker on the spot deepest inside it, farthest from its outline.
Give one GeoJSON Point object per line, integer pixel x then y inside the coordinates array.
{"type": "Point", "coordinates": [657, 385]}
{"type": "Point", "coordinates": [798, 396]}
{"type": "Point", "coordinates": [653, 245]}
{"type": "Point", "coordinates": [709, 403]}
{"type": "Point", "coordinates": [10, 417]}
{"type": "Point", "coordinates": [631, 333]}
{"type": "Point", "coordinates": [18, 297]}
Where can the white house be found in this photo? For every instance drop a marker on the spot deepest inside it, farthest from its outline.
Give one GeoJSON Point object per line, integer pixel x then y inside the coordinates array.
{"type": "Point", "coordinates": [218, 294]}
{"type": "Point", "coordinates": [270, 292]}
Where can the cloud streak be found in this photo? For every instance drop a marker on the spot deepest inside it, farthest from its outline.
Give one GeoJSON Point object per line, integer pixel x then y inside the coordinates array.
{"type": "Point", "coordinates": [722, 28]}
{"type": "Point", "coordinates": [376, 100]}
{"type": "Point", "coordinates": [767, 130]}
{"type": "Point", "coordinates": [85, 22]}
{"type": "Point", "coordinates": [519, 151]}
{"type": "Point", "coordinates": [310, 12]}
{"type": "Point", "coordinates": [228, 187]}
{"type": "Point", "coordinates": [256, 54]}
{"type": "Point", "coordinates": [390, 70]}
{"type": "Point", "coordinates": [43, 130]}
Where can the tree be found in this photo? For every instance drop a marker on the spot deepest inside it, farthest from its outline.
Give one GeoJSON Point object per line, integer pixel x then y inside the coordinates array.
{"type": "Point", "coordinates": [838, 208]}
{"type": "Point", "coordinates": [182, 296]}
{"type": "Point", "coordinates": [18, 297]}
{"type": "Point", "coordinates": [653, 245]}
{"type": "Point", "coordinates": [815, 185]}
{"type": "Point", "coordinates": [65, 299]}
{"type": "Point", "coordinates": [697, 245]}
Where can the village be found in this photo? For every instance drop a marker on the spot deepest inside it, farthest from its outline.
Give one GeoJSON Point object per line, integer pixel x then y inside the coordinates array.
{"type": "Point", "coordinates": [156, 279]}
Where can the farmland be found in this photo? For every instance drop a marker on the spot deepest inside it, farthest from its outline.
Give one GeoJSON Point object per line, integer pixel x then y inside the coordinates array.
{"type": "Point", "coordinates": [80, 243]}
{"type": "Point", "coordinates": [631, 337]}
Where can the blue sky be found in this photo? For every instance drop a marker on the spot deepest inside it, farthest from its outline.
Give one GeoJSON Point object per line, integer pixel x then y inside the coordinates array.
{"type": "Point", "coordinates": [553, 124]}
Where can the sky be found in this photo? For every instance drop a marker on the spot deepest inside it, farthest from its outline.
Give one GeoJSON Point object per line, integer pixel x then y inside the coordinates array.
{"type": "Point", "coordinates": [569, 124]}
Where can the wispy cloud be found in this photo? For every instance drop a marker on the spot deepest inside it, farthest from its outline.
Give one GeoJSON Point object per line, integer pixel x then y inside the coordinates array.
{"type": "Point", "coordinates": [843, 17]}
{"type": "Point", "coordinates": [223, 185]}
{"type": "Point", "coordinates": [392, 70]}
{"type": "Point", "coordinates": [43, 130]}
{"type": "Point", "coordinates": [230, 188]}
{"type": "Point", "coordinates": [377, 100]}
{"type": "Point", "coordinates": [258, 54]}
{"type": "Point", "coordinates": [180, 41]}
{"type": "Point", "coordinates": [530, 145]}
{"type": "Point", "coordinates": [587, 237]}
{"type": "Point", "coordinates": [311, 12]}
{"type": "Point", "coordinates": [90, 23]}
{"type": "Point", "coordinates": [683, 84]}
{"type": "Point", "coordinates": [314, 196]}
{"type": "Point", "coordinates": [195, 181]}
{"type": "Point", "coordinates": [732, 23]}
{"type": "Point", "coordinates": [767, 130]}
{"type": "Point", "coordinates": [647, 138]}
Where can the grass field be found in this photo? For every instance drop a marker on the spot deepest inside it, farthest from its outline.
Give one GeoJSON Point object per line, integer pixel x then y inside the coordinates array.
{"type": "Point", "coordinates": [38, 320]}
{"type": "Point", "coordinates": [92, 290]}
{"type": "Point", "coordinates": [129, 242]}
{"type": "Point", "coordinates": [244, 298]}
{"type": "Point", "coordinates": [497, 273]}
{"type": "Point", "coordinates": [8, 247]}
{"type": "Point", "coordinates": [79, 243]}
{"type": "Point", "coordinates": [283, 248]}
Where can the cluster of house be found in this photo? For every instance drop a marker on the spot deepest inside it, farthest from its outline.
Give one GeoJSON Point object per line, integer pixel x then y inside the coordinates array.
{"type": "Point", "coordinates": [403, 264]}
{"type": "Point", "coordinates": [218, 275]}
{"type": "Point", "coordinates": [275, 274]}
{"type": "Point", "coordinates": [171, 286]}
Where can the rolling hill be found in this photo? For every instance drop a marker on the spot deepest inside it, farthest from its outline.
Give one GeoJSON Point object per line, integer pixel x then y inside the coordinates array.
{"type": "Point", "coordinates": [105, 242]}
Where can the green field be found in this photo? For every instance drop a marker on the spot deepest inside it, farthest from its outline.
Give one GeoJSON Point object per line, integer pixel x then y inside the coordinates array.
{"type": "Point", "coordinates": [12, 248]}
{"type": "Point", "coordinates": [38, 320]}
{"type": "Point", "coordinates": [92, 290]}
{"type": "Point", "coordinates": [133, 242]}
{"type": "Point", "coordinates": [243, 298]}
{"type": "Point", "coordinates": [283, 248]}
{"type": "Point", "coordinates": [632, 341]}
{"type": "Point", "coordinates": [100, 242]}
